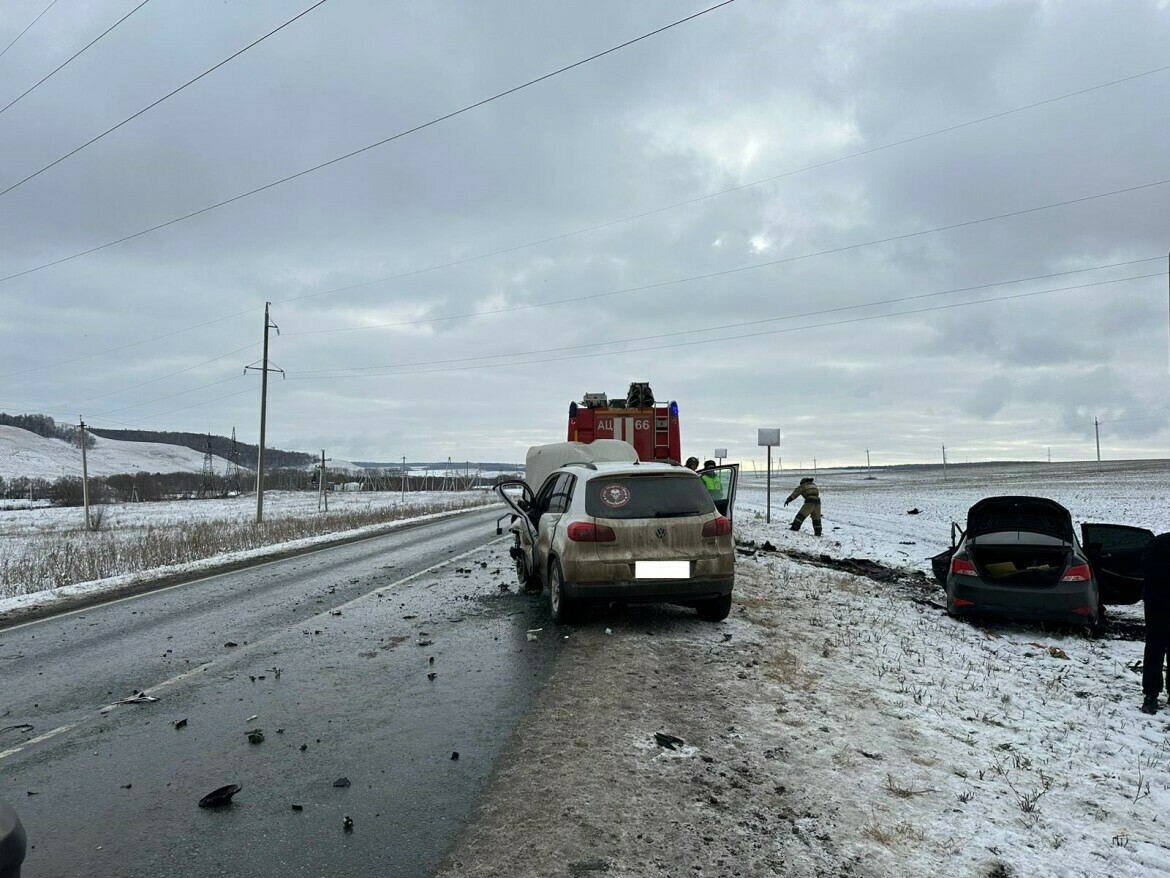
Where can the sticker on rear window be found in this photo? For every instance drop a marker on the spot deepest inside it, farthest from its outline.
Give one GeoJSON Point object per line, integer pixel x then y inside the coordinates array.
{"type": "Point", "coordinates": [615, 496]}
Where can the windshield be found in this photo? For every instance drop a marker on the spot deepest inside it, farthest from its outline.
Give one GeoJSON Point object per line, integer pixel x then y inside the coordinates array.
{"type": "Point", "coordinates": [656, 496]}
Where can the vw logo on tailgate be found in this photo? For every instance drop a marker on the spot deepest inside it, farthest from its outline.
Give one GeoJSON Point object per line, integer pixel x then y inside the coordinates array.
{"type": "Point", "coordinates": [660, 533]}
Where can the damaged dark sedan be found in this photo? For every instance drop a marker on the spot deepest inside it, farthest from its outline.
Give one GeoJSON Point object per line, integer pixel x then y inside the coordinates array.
{"type": "Point", "coordinates": [1019, 557]}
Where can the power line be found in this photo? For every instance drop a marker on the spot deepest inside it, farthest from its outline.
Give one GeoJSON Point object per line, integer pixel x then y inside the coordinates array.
{"type": "Point", "coordinates": [30, 24]}
{"type": "Point", "coordinates": [185, 408]}
{"type": "Point", "coordinates": [136, 405]}
{"type": "Point", "coordinates": [74, 55]}
{"type": "Point", "coordinates": [72, 406]}
{"type": "Point", "coordinates": [445, 365]}
{"type": "Point", "coordinates": [160, 100]}
{"type": "Point", "coordinates": [367, 148]}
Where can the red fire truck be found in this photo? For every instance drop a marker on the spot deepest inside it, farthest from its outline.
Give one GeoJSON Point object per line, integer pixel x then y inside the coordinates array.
{"type": "Point", "coordinates": [652, 429]}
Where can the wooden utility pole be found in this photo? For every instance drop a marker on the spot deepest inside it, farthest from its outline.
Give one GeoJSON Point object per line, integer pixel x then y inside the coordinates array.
{"type": "Point", "coordinates": [84, 478]}
{"type": "Point", "coordinates": [944, 449]}
{"type": "Point", "coordinates": [1097, 430]}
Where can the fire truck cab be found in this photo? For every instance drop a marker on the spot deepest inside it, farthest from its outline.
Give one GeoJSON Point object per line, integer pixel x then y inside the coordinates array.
{"type": "Point", "coordinates": [651, 428]}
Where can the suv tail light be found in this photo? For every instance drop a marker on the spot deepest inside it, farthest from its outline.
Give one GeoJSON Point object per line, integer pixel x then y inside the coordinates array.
{"type": "Point", "coordinates": [589, 532]}
{"type": "Point", "coordinates": [1078, 573]}
{"type": "Point", "coordinates": [963, 567]}
{"type": "Point", "coordinates": [717, 527]}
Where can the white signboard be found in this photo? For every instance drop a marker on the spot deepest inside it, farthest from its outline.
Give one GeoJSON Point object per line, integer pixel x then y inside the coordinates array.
{"type": "Point", "coordinates": [721, 453]}
{"type": "Point", "coordinates": [769, 437]}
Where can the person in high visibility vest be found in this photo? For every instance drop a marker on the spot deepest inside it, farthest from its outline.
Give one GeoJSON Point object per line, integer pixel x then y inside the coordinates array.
{"type": "Point", "coordinates": [711, 480]}
{"type": "Point", "coordinates": [811, 507]}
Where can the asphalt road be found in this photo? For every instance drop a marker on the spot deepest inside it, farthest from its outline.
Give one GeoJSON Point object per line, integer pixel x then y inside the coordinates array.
{"type": "Point", "coordinates": [331, 661]}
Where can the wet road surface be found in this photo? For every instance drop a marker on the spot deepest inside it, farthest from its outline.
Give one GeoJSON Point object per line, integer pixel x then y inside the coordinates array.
{"type": "Point", "coordinates": [332, 660]}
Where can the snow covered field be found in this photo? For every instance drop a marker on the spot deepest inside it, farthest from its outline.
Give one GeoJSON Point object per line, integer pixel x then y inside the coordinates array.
{"type": "Point", "coordinates": [868, 517]}
{"type": "Point", "coordinates": [27, 455]}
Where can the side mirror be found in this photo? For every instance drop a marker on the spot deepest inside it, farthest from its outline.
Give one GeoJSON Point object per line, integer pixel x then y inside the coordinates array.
{"type": "Point", "coordinates": [522, 504]}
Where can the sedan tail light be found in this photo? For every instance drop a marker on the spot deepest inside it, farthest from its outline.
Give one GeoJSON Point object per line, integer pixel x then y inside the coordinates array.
{"type": "Point", "coordinates": [1078, 573]}
{"type": "Point", "coordinates": [963, 567]}
{"type": "Point", "coordinates": [589, 532]}
{"type": "Point", "coordinates": [717, 527]}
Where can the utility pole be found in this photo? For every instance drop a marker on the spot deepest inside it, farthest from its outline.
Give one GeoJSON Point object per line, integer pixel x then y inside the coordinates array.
{"type": "Point", "coordinates": [403, 481]}
{"type": "Point", "coordinates": [264, 367]}
{"type": "Point", "coordinates": [84, 477]}
{"type": "Point", "coordinates": [322, 493]}
{"type": "Point", "coordinates": [1097, 430]}
{"type": "Point", "coordinates": [944, 448]}
{"type": "Point", "coordinates": [867, 462]}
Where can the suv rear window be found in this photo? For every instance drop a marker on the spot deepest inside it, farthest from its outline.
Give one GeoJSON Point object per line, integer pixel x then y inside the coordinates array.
{"type": "Point", "coordinates": [657, 496]}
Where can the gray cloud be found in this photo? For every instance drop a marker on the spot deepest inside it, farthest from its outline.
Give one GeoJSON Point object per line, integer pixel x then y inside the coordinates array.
{"type": "Point", "coordinates": [155, 332]}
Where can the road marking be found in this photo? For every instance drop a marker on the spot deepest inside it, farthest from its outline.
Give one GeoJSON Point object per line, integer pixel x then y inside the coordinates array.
{"type": "Point", "coordinates": [4, 754]}
{"type": "Point", "coordinates": [251, 647]}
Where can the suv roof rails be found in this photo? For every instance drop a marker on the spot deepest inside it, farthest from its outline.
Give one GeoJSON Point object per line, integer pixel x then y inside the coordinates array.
{"type": "Point", "coordinates": [584, 463]}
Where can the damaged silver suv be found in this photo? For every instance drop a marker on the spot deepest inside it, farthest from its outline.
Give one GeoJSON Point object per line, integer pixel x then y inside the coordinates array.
{"type": "Point", "coordinates": [629, 532]}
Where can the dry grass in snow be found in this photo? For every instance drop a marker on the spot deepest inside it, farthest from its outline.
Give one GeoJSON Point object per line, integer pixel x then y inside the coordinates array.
{"type": "Point", "coordinates": [48, 548]}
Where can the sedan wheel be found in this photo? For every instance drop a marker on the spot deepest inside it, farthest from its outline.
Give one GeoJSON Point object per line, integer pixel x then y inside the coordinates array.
{"type": "Point", "coordinates": [559, 604]}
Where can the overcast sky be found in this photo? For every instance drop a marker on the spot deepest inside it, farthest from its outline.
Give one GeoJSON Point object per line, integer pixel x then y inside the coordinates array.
{"type": "Point", "coordinates": [876, 226]}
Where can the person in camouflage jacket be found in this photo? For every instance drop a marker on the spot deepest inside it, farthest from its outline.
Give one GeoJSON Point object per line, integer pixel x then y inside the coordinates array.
{"type": "Point", "coordinates": [811, 508]}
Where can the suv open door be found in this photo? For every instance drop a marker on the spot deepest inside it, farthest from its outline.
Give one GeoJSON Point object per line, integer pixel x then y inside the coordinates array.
{"type": "Point", "coordinates": [722, 493]}
{"type": "Point", "coordinates": [1115, 551]}
{"type": "Point", "coordinates": [517, 496]}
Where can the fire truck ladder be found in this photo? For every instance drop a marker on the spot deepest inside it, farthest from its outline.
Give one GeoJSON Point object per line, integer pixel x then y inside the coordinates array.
{"type": "Point", "coordinates": [661, 431]}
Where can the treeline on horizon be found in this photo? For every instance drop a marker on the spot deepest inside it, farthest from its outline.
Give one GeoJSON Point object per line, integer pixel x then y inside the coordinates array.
{"type": "Point", "coordinates": [221, 446]}
{"type": "Point", "coordinates": [44, 426]}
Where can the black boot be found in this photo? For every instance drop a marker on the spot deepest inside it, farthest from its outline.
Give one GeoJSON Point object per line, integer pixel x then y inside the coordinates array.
{"type": "Point", "coordinates": [1150, 704]}
{"type": "Point", "coordinates": [797, 522]}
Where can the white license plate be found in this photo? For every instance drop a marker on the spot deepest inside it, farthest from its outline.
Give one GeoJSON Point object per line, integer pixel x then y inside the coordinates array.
{"type": "Point", "coordinates": [662, 570]}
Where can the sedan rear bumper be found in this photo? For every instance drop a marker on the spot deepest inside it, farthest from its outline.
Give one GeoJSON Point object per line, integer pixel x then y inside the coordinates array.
{"type": "Point", "coordinates": [1069, 602]}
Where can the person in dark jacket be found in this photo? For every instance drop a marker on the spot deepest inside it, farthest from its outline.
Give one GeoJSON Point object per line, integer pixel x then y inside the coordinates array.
{"type": "Point", "coordinates": [1156, 597]}
{"type": "Point", "coordinates": [811, 508]}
